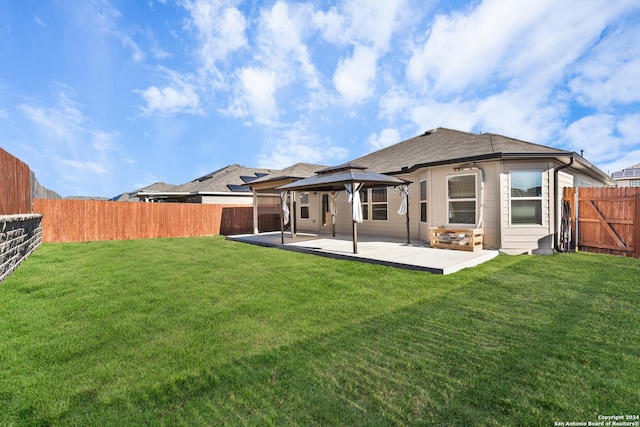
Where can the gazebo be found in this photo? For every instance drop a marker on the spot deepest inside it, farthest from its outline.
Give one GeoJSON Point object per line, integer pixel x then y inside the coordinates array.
{"type": "Point", "coordinates": [351, 178]}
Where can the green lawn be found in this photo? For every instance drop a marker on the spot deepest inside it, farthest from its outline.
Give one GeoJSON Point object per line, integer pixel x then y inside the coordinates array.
{"type": "Point", "coordinates": [205, 331]}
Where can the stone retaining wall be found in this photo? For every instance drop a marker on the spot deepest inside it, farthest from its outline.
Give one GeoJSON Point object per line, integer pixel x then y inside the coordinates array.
{"type": "Point", "coordinates": [20, 235]}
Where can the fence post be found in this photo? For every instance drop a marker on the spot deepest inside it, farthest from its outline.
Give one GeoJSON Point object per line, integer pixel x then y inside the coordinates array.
{"type": "Point", "coordinates": [576, 204]}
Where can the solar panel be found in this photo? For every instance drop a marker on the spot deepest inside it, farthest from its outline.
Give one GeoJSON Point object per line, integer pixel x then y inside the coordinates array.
{"type": "Point", "coordinates": [238, 188]}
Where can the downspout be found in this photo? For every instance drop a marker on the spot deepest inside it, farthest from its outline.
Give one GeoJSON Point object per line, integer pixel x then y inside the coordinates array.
{"type": "Point", "coordinates": [556, 243]}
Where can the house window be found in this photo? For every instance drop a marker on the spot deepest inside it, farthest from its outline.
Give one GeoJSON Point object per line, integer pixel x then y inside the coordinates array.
{"type": "Point", "coordinates": [304, 205]}
{"type": "Point", "coordinates": [364, 203]}
{"type": "Point", "coordinates": [526, 198]}
{"type": "Point", "coordinates": [635, 183]}
{"type": "Point", "coordinates": [379, 204]}
{"type": "Point", "coordinates": [461, 190]}
{"type": "Point", "coordinates": [423, 201]}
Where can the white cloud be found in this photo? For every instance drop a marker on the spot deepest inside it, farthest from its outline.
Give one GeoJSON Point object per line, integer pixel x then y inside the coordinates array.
{"type": "Point", "coordinates": [295, 144]}
{"type": "Point", "coordinates": [528, 42]}
{"type": "Point", "coordinates": [67, 141]}
{"type": "Point", "coordinates": [62, 123]}
{"type": "Point", "coordinates": [606, 139]}
{"type": "Point", "coordinates": [368, 26]}
{"type": "Point", "coordinates": [395, 102]}
{"type": "Point", "coordinates": [354, 77]}
{"type": "Point", "coordinates": [430, 114]}
{"type": "Point", "coordinates": [103, 17]}
{"type": "Point", "coordinates": [280, 41]}
{"type": "Point", "coordinates": [367, 22]}
{"type": "Point", "coordinates": [386, 138]}
{"type": "Point", "coordinates": [220, 27]}
{"type": "Point", "coordinates": [255, 96]}
{"type": "Point", "coordinates": [610, 73]}
{"type": "Point", "coordinates": [90, 166]}
{"type": "Point", "coordinates": [170, 100]}
{"type": "Point", "coordinates": [39, 21]}
{"type": "Point", "coordinates": [100, 140]}
{"type": "Point", "coordinates": [520, 114]}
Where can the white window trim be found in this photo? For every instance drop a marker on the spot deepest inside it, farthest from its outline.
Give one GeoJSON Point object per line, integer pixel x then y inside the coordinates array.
{"type": "Point", "coordinates": [307, 205]}
{"type": "Point", "coordinates": [474, 199]}
{"type": "Point", "coordinates": [425, 200]}
{"type": "Point", "coordinates": [540, 198]}
{"type": "Point", "coordinates": [370, 203]}
{"type": "Point", "coordinates": [364, 204]}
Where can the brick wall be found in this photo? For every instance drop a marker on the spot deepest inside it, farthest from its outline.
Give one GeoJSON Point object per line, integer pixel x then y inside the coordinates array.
{"type": "Point", "coordinates": [20, 235]}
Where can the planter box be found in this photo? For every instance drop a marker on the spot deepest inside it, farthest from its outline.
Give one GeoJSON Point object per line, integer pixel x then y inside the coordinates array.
{"type": "Point", "coordinates": [456, 238]}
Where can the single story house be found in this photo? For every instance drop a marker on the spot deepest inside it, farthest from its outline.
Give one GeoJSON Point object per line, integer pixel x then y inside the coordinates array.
{"type": "Point", "coordinates": [143, 194]}
{"type": "Point", "coordinates": [224, 186]}
{"type": "Point", "coordinates": [629, 177]}
{"type": "Point", "coordinates": [511, 189]}
{"type": "Point", "coordinates": [266, 197]}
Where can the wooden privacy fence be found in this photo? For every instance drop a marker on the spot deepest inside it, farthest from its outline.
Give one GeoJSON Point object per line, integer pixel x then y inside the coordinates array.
{"type": "Point", "coordinates": [15, 185]}
{"type": "Point", "coordinates": [605, 220]}
{"type": "Point", "coordinates": [86, 221]}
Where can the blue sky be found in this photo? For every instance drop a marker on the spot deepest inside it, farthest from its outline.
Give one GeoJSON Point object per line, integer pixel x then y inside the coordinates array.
{"type": "Point", "coordinates": [100, 97]}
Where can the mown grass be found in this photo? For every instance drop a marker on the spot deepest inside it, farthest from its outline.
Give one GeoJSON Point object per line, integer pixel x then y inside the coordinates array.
{"type": "Point", "coordinates": [205, 331]}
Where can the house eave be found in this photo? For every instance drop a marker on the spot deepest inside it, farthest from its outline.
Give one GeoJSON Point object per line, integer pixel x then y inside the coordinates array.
{"type": "Point", "coordinates": [222, 193]}
{"type": "Point", "coordinates": [562, 156]}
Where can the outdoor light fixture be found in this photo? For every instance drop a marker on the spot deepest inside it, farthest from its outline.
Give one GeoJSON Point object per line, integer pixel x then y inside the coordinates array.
{"type": "Point", "coordinates": [467, 167]}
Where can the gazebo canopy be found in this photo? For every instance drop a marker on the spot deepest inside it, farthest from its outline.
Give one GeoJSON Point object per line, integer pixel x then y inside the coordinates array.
{"type": "Point", "coordinates": [349, 177]}
{"type": "Point", "coordinates": [334, 179]}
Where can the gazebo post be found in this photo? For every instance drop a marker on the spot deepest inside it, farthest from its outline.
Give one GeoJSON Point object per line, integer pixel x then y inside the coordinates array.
{"type": "Point", "coordinates": [282, 217]}
{"type": "Point", "coordinates": [354, 225]}
{"type": "Point", "coordinates": [292, 197]}
{"type": "Point", "coordinates": [408, 231]}
{"type": "Point", "coordinates": [354, 233]}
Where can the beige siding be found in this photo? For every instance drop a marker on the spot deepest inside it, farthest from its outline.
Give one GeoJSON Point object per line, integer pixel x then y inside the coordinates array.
{"type": "Point", "coordinates": [581, 180]}
{"type": "Point", "coordinates": [311, 224]}
{"type": "Point", "coordinates": [527, 238]}
{"type": "Point", "coordinates": [437, 210]}
{"type": "Point", "coordinates": [226, 200]}
{"type": "Point", "coordinates": [498, 231]}
{"type": "Point", "coordinates": [491, 220]}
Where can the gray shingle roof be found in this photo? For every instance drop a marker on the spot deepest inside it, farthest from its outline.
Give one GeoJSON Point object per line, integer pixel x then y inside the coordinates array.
{"type": "Point", "coordinates": [441, 146]}
{"type": "Point", "coordinates": [220, 180]}
{"type": "Point", "coordinates": [157, 187]}
{"type": "Point", "coordinates": [297, 171]}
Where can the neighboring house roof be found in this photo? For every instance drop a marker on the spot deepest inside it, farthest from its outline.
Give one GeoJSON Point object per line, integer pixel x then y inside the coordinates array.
{"type": "Point", "coordinates": [95, 198]}
{"type": "Point", "coordinates": [443, 146]}
{"type": "Point", "coordinates": [632, 172]}
{"type": "Point", "coordinates": [292, 173]}
{"type": "Point", "coordinates": [227, 179]}
{"type": "Point", "coordinates": [154, 188]}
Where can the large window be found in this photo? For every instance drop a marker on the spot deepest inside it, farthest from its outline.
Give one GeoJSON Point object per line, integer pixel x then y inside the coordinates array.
{"type": "Point", "coordinates": [379, 204]}
{"type": "Point", "coordinates": [461, 191]}
{"type": "Point", "coordinates": [304, 205]}
{"type": "Point", "coordinates": [526, 198]}
{"type": "Point", "coordinates": [423, 201]}
{"type": "Point", "coordinates": [635, 183]}
{"type": "Point", "coordinates": [374, 204]}
{"type": "Point", "coordinates": [364, 203]}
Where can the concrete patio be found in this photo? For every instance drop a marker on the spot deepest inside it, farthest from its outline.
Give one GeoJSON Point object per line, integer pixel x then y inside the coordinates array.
{"type": "Point", "coordinates": [375, 250]}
